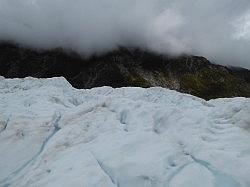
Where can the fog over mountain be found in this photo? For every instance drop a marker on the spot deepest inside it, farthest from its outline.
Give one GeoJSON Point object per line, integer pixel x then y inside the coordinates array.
{"type": "Point", "coordinates": [216, 29]}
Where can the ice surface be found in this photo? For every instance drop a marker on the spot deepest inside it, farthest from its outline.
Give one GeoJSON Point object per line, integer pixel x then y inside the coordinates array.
{"type": "Point", "coordinates": [54, 135]}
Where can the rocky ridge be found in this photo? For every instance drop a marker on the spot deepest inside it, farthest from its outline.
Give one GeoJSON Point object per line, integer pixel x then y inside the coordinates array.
{"type": "Point", "coordinates": [127, 67]}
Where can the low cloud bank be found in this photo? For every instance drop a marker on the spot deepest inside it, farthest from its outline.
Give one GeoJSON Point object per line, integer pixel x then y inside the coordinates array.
{"type": "Point", "coordinates": [217, 29]}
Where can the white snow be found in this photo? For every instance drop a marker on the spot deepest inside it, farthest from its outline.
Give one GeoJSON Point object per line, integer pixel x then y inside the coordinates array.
{"type": "Point", "coordinates": [54, 135]}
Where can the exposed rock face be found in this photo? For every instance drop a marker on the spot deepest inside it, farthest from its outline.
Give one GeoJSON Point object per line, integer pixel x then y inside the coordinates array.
{"type": "Point", "coordinates": [127, 67]}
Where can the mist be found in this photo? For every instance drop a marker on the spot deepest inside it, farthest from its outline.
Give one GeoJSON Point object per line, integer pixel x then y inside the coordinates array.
{"type": "Point", "coordinates": [216, 29]}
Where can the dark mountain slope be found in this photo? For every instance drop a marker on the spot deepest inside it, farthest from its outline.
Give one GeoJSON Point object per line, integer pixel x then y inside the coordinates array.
{"type": "Point", "coordinates": [127, 67]}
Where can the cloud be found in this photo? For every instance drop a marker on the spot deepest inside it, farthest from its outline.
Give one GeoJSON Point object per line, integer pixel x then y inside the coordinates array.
{"type": "Point", "coordinates": [216, 29]}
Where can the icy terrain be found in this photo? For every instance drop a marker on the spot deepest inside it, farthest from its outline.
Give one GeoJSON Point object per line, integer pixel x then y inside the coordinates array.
{"type": "Point", "coordinates": [54, 135]}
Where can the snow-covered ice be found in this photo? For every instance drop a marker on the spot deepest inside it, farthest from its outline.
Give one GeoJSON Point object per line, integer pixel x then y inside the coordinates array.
{"type": "Point", "coordinates": [54, 135]}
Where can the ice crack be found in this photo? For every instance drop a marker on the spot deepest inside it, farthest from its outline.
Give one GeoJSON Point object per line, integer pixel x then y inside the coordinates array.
{"type": "Point", "coordinates": [55, 124]}
{"type": "Point", "coordinates": [5, 125]}
{"type": "Point", "coordinates": [106, 171]}
{"type": "Point", "coordinates": [220, 179]}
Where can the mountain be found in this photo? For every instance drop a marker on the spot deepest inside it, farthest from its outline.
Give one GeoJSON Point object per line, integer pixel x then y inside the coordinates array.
{"type": "Point", "coordinates": [53, 135]}
{"type": "Point", "coordinates": [127, 67]}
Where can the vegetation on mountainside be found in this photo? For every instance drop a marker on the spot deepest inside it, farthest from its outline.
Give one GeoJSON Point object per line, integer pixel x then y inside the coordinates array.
{"type": "Point", "coordinates": [128, 67]}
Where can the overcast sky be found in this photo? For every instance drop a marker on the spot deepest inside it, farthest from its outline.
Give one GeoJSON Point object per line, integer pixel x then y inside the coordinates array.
{"type": "Point", "coordinates": [216, 29]}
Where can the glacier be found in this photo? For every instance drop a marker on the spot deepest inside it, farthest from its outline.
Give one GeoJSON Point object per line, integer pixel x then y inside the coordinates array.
{"type": "Point", "coordinates": [52, 134]}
